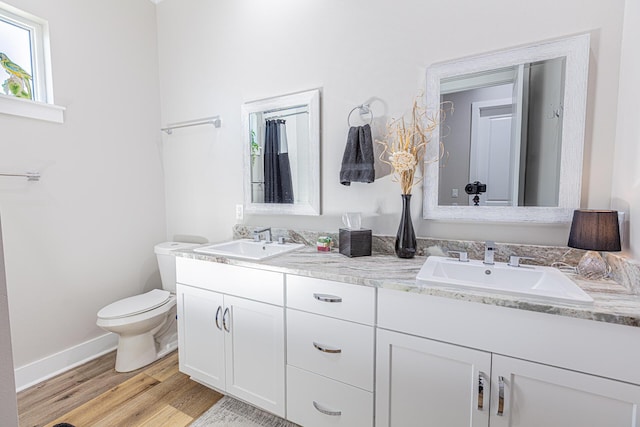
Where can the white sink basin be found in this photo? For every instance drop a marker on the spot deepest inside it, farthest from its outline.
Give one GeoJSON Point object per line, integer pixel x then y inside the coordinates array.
{"type": "Point", "coordinates": [249, 249]}
{"type": "Point", "coordinates": [534, 281]}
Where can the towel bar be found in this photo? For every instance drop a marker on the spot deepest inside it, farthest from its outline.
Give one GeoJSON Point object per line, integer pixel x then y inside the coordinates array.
{"type": "Point", "coordinates": [216, 121]}
{"type": "Point", "coordinates": [31, 176]}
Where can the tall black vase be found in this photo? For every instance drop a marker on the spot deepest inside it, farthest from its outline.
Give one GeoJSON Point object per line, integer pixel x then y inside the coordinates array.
{"type": "Point", "coordinates": [406, 237]}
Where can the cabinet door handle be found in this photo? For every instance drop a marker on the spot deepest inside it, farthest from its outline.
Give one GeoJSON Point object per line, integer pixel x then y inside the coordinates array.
{"type": "Point", "coordinates": [500, 396]}
{"type": "Point", "coordinates": [224, 320]}
{"type": "Point", "coordinates": [218, 317]}
{"type": "Point", "coordinates": [326, 349]}
{"type": "Point", "coordinates": [326, 411]}
{"type": "Point", "coordinates": [327, 298]}
{"type": "Point", "coordinates": [480, 391]}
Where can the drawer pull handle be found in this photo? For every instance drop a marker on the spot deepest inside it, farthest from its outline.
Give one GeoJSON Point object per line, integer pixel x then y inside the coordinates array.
{"type": "Point", "coordinates": [218, 317]}
{"type": "Point", "coordinates": [480, 391]}
{"type": "Point", "coordinates": [327, 298]}
{"type": "Point", "coordinates": [500, 396]}
{"type": "Point", "coordinates": [224, 320]}
{"type": "Point", "coordinates": [326, 411]}
{"type": "Point", "coordinates": [326, 349]}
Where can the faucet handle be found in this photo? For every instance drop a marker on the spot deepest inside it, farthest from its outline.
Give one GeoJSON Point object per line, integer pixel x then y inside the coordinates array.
{"type": "Point", "coordinates": [462, 255]}
{"type": "Point", "coordinates": [514, 261]}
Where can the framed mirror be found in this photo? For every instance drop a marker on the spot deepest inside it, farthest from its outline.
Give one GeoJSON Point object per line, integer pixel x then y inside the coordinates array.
{"type": "Point", "coordinates": [514, 143]}
{"type": "Point", "coordinates": [281, 139]}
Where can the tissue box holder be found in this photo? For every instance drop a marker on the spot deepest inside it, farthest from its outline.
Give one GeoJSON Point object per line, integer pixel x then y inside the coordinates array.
{"type": "Point", "coordinates": [354, 243]}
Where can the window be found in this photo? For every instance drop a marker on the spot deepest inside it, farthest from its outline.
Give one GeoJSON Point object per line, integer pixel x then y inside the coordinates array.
{"type": "Point", "coordinates": [25, 72]}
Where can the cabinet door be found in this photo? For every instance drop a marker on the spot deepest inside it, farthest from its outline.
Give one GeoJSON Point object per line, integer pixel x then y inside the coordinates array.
{"type": "Point", "coordinates": [537, 395]}
{"type": "Point", "coordinates": [200, 335]}
{"type": "Point", "coordinates": [420, 382]}
{"type": "Point", "coordinates": [255, 353]}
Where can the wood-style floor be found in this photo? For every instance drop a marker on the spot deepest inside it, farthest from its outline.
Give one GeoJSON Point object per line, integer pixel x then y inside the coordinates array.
{"type": "Point", "coordinates": [94, 394]}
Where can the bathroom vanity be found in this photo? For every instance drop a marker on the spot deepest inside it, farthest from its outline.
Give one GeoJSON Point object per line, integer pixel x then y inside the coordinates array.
{"type": "Point", "coordinates": [322, 339]}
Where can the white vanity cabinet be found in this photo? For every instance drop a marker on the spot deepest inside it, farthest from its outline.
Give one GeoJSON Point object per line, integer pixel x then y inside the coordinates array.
{"type": "Point", "coordinates": [424, 382]}
{"type": "Point", "coordinates": [538, 395]}
{"type": "Point", "coordinates": [231, 330]}
{"type": "Point", "coordinates": [449, 362]}
{"type": "Point", "coordinates": [330, 353]}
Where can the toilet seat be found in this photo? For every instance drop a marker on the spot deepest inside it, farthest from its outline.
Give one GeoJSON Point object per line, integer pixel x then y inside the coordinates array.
{"type": "Point", "coordinates": [137, 304]}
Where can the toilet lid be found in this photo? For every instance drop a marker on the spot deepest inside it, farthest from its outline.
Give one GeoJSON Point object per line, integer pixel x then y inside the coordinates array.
{"type": "Point", "coordinates": [135, 305]}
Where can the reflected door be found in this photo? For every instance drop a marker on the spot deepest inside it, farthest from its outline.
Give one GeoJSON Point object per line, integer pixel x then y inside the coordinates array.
{"type": "Point", "coordinates": [493, 150]}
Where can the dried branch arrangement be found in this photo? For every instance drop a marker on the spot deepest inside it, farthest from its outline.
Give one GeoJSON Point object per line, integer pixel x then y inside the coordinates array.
{"type": "Point", "coordinates": [405, 143]}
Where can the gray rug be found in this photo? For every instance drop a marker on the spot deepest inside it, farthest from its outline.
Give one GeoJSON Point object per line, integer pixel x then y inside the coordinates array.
{"type": "Point", "coordinates": [229, 412]}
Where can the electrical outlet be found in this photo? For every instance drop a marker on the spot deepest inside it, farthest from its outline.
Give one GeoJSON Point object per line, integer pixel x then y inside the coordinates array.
{"type": "Point", "coordinates": [454, 193]}
{"type": "Point", "coordinates": [239, 212]}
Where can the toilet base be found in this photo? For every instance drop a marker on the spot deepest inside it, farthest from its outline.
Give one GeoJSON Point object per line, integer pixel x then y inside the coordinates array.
{"type": "Point", "coordinates": [135, 351]}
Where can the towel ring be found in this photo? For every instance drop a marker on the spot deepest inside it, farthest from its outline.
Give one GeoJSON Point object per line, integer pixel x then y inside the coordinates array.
{"type": "Point", "coordinates": [364, 109]}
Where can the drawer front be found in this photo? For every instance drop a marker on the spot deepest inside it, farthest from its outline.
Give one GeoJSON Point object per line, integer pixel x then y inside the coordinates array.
{"type": "Point", "coordinates": [316, 401]}
{"type": "Point", "coordinates": [258, 285]}
{"type": "Point", "coordinates": [329, 298]}
{"type": "Point", "coordinates": [330, 347]}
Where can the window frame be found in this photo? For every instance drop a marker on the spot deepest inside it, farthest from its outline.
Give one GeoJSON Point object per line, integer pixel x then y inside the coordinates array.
{"type": "Point", "coordinates": [42, 105]}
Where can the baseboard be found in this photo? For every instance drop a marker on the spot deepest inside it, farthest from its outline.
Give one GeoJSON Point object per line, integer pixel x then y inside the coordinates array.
{"type": "Point", "coordinates": [50, 366]}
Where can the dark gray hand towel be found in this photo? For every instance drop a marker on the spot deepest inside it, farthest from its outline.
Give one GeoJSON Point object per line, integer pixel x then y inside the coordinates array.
{"type": "Point", "coordinates": [357, 161]}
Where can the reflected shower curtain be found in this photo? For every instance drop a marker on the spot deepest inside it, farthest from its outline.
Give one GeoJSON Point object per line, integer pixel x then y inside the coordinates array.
{"type": "Point", "coordinates": [278, 187]}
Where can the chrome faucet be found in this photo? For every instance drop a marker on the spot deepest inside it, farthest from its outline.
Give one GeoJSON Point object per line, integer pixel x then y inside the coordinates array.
{"type": "Point", "coordinates": [489, 249]}
{"type": "Point", "coordinates": [257, 232]}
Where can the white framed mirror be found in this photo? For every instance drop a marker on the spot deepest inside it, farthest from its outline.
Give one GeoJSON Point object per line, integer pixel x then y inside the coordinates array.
{"type": "Point", "coordinates": [281, 140]}
{"type": "Point", "coordinates": [515, 139]}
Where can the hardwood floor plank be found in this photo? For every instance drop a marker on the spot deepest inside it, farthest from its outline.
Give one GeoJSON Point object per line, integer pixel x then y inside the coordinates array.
{"type": "Point", "coordinates": [98, 408]}
{"type": "Point", "coordinates": [168, 416]}
{"type": "Point", "coordinates": [57, 396]}
{"type": "Point", "coordinates": [134, 411]}
{"type": "Point", "coordinates": [195, 399]}
{"type": "Point", "coordinates": [79, 394]}
{"type": "Point", "coordinates": [94, 395]}
{"type": "Point", "coordinates": [59, 384]}
{"type": "Point", "coordinates": [164, 368]}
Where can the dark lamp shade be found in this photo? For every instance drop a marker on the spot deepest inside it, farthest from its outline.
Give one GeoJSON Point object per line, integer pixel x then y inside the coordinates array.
{"type": "Point", "coordinates": [595, 230]}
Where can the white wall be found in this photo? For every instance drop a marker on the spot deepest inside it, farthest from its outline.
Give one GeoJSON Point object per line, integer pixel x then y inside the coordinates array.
{"type": "Point", "coordinates": [626, 176]}
{"type": "Point", "coordinates": [215, 55]}
{"type": "Point", "coordinates": [83, 236]}
{"type": "Point", "coordinates": [8, 404]}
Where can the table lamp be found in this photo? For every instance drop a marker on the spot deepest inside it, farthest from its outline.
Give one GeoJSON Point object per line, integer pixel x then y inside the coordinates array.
{"type": "Point", "coordinates": [594, 231]}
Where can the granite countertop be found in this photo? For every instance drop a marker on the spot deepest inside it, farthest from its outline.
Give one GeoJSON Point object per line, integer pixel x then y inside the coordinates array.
{"type": "Point", "coordinates": [613, 303]}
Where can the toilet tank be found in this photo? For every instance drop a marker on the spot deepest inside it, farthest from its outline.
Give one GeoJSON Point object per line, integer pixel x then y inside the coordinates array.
{"type": "Point", "coordinates": [167, 262]}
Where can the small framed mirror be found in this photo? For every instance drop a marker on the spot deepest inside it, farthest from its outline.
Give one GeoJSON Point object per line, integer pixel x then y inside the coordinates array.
{"type": "Point", "coordinates": [281, 138]}
{"type": "Point", "coordinates": [513, 146]}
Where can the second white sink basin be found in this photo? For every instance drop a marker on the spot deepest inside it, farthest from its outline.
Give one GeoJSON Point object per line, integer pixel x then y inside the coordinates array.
{"type": "Point", "coordinates": [249, 249]}
{"type": "Point", "coordinates": [534, 281]}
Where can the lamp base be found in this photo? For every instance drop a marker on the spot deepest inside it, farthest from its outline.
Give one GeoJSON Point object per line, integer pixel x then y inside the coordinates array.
{"type": "Point", "coordinates": [593, 267]}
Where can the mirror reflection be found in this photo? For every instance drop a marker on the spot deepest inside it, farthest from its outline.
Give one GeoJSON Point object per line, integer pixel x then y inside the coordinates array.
{"type": "Point", "coordinates": [282, 154]}
{"type": "Point", "coordinates": [279, 151]}
{"type": "Point", "coordinates": [516, 138]}
{"type": "Point", "coordinates": [506, 135]}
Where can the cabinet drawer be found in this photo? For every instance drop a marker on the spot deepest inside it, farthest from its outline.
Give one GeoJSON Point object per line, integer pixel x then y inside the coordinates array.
{"type": "Point", "coordinates": [334, 348]}
{"type": "Point", "coordinates": [329, 298]}
{"type": "Point", "coordinates": [258, 285]}
{"type": "Point", "coordinates": [316, 401]}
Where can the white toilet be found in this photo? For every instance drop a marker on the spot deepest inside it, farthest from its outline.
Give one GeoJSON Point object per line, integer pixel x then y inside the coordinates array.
{"type": "Point", "coordinates": [146, 324]}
